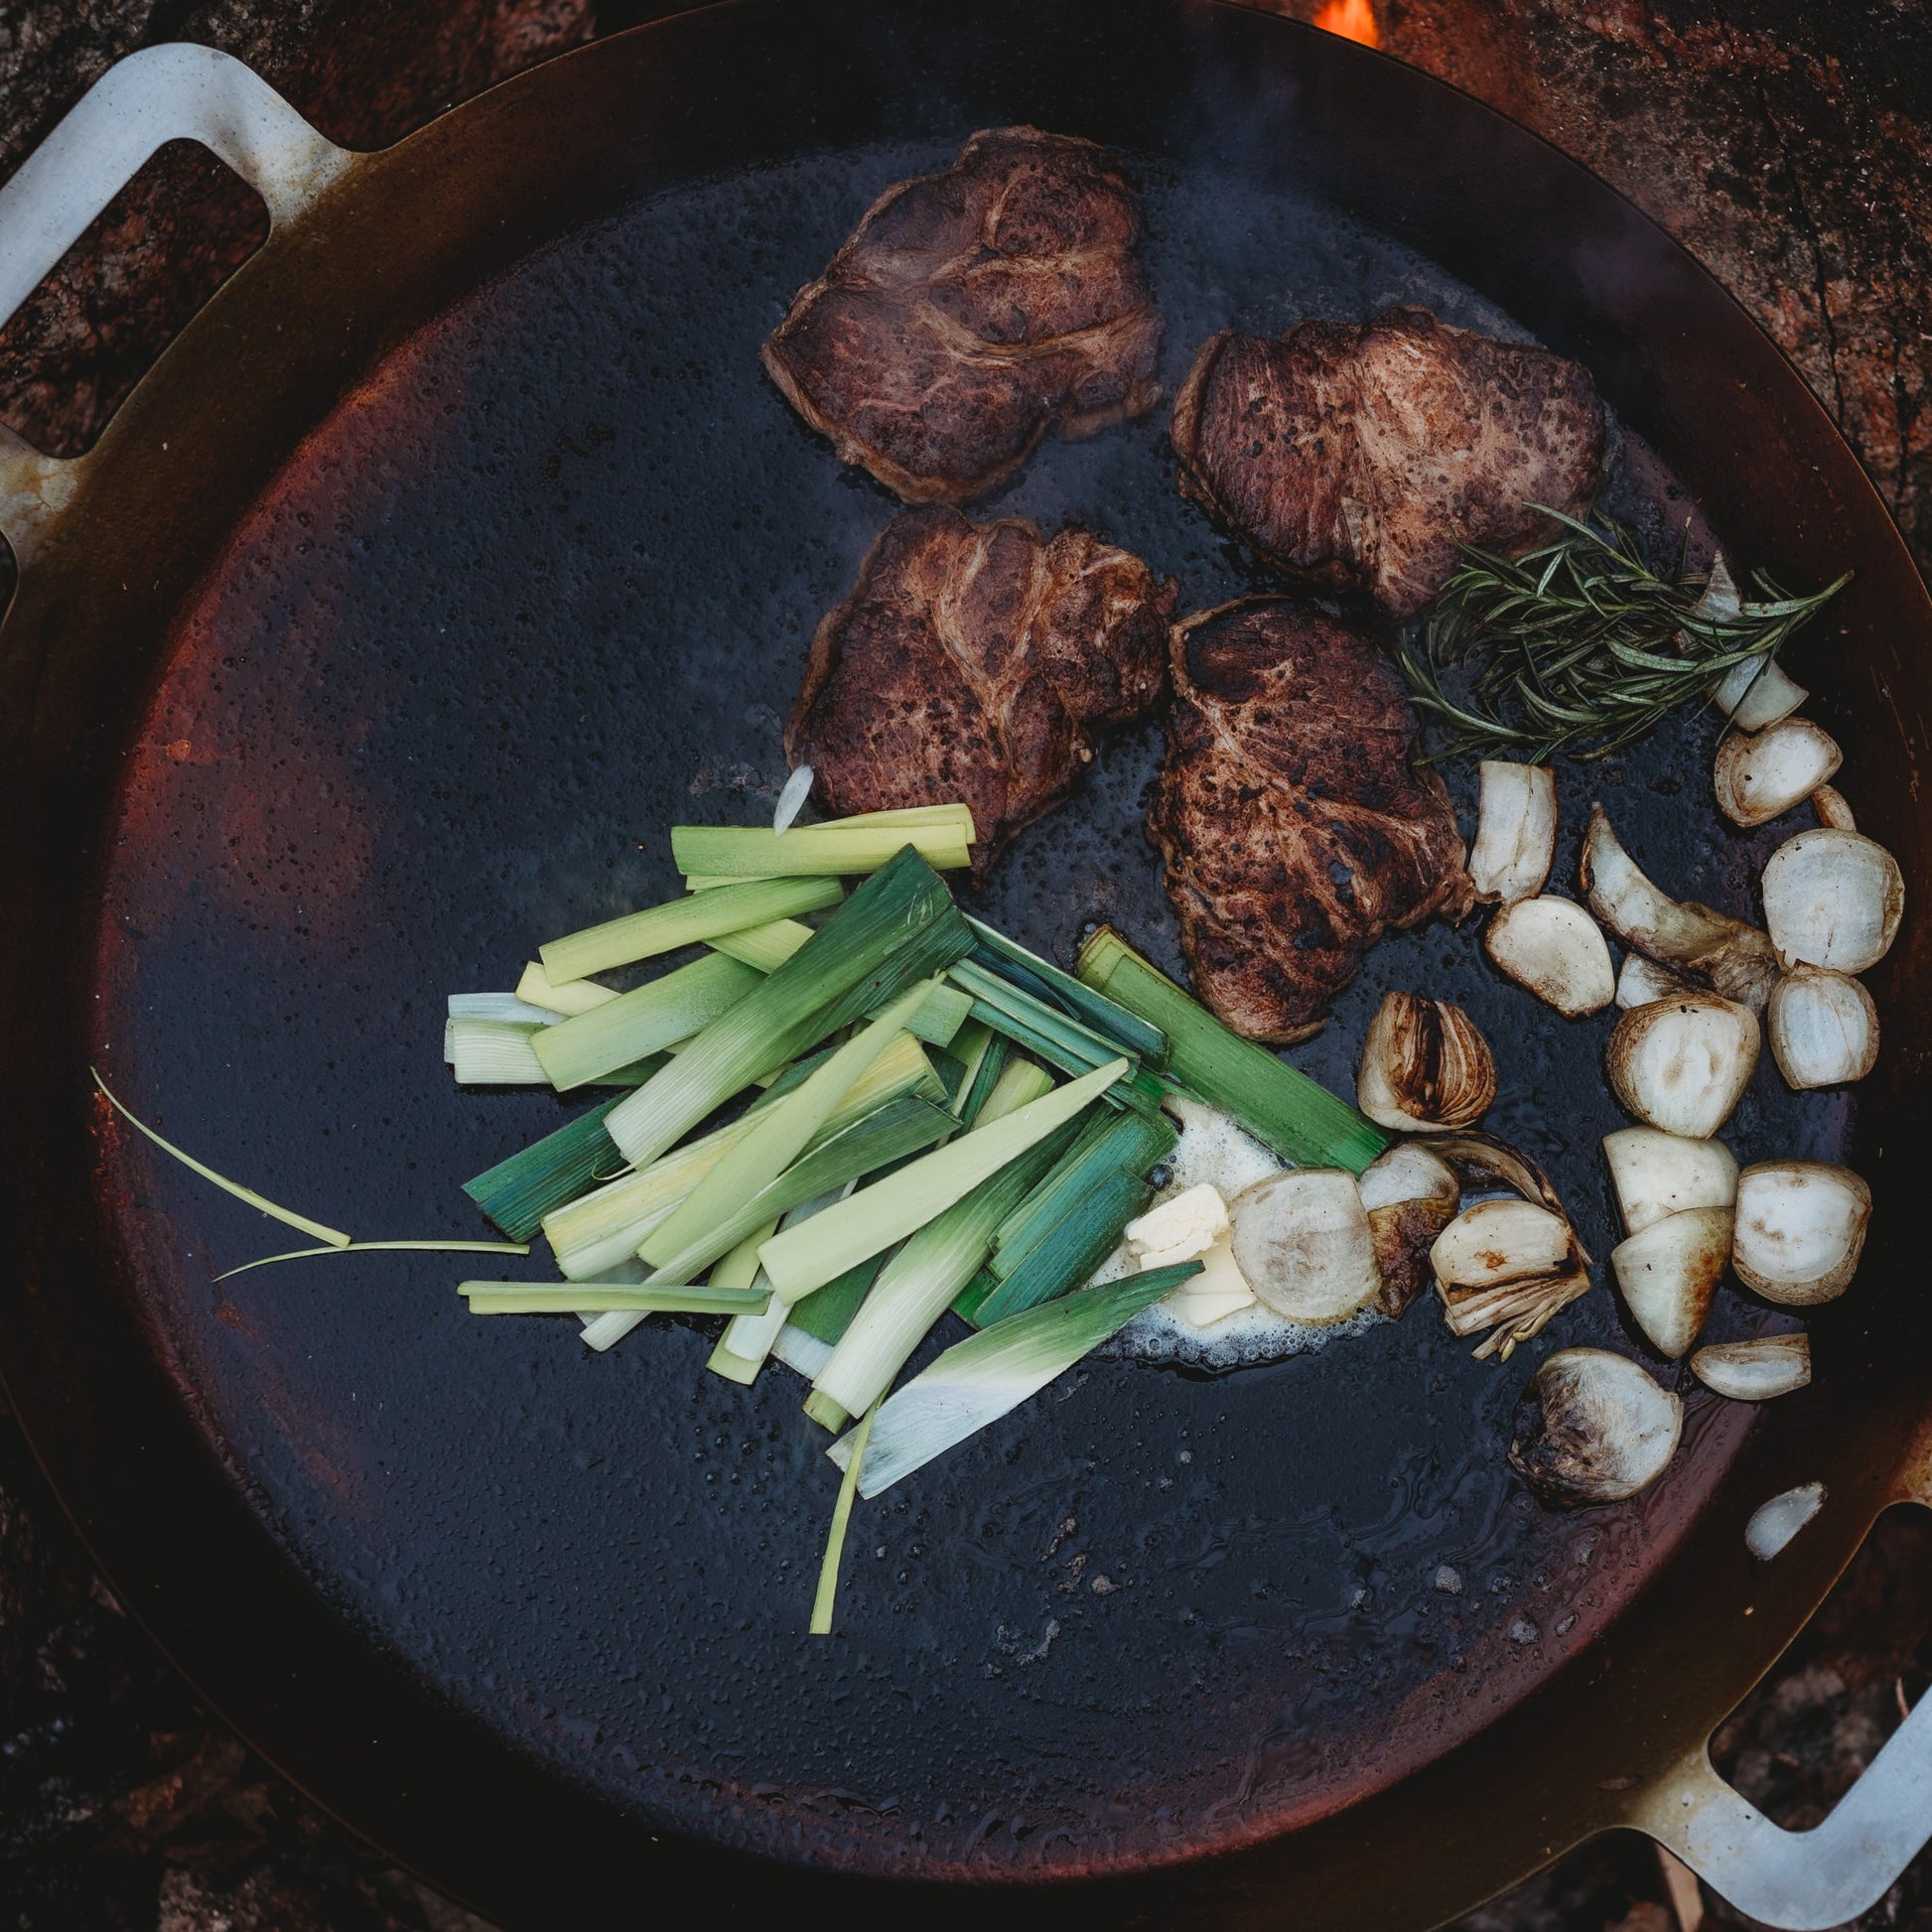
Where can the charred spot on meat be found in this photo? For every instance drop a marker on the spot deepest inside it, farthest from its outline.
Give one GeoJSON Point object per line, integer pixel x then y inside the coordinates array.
{"type": "Point", "coordinates": [973, 310]}
{"type": "Point", "coordinates": [976, 662]}
{"type": "Point", "coordinates": [1361, 454]}
{"type": "Point", "coordinates": [1295, 830]}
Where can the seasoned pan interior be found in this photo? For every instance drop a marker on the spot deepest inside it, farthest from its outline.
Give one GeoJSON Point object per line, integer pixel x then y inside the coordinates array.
{"type": "Point", "coordinates": [541, 586]}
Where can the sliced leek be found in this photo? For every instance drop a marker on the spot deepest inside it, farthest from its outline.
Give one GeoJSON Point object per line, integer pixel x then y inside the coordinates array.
{"type": "Point", "coordinates": [518, 1192]}
{"type": "Point", "coordinates": [683, 922]}
{"type": "Point", "coordinates": [571, 995]}
{"type": "Point", "coordinates": [592, 1297]}
{"type": "Point", "coordinates": [650, 1018]}
{"type": "Point", "coordinates": [767, 948]}
{"type": "Point", "coordinates": [756, 852]}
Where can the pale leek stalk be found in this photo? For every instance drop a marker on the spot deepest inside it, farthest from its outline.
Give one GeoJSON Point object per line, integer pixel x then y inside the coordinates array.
{"type": "Point", "coordinates": [573, 995]}
{"type": "Point", "coordinates": [804, 1258]}
{"type": "Point", "coordinates": [646, 1020]}
{"type": "Point", "coordinates": [499, 1006]}
{"type": "Point", "coordinates": [826, 1599]}
{"type": "Point", "coordinates": [756, 852]}
{"type": "Point", "coordinates": [749, 1339]}
{"type": "Point", "coordinates": [979, 1380]}
{"type": "Point", "coordinates": [684, 922]}
{"type": "Point", "coordinates": [767, 948]}
{"type": "Point", "coordinates": [598, 1298]}
{"type": "Point", "coordinates": [1019, 1084]}
{"type": "Point", "coordinates": [494, 1053]}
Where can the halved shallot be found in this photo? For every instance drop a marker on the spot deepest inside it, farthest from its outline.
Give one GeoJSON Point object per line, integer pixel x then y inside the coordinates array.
{"type": "Point", "coordinates": [1800, 1230]}
{"type": "Point", "coordinates": [1411, 1195]}
{"type": "Point", "coordinates": [1669, 1273]}
{"type": "Point", "coordinates": [1516, 830]}
{"type": "Point", "coordinates": [1824, 1028]}
{"type": "Point", "coordinates": [1655, 1174]}
{"type": "Point", "coordinates": [1302, 1240]}
{"type": "Point", "coordinates": [1754, 1371]}
{"type": "Point", "coordinates": [1682, 1064]}
{"type": "Point", "coordinates": [1554, 947]}
{"type": "Point", "coordinates": [1593, 1428]}
{"type": "Point", "coordinates": [1760, 775]}
{"type": "Point", "coordinates": [1833, 898]}
{"type": "Point", "coordinates": [1424, 1066]}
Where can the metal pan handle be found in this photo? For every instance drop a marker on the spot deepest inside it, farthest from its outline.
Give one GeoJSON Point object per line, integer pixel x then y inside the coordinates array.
{"type": "Point", "coordinates": [173, 92]}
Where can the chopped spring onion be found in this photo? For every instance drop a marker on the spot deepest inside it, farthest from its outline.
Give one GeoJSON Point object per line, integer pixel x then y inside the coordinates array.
{"type": "Point", "coordinates": [1068, 1254]}
{"type": "Point", "coordinates": [335, 1237]}
{"type": "Point", "coordinates": [1018, 1084]}
{"type": "Point", "coordinates": [767, 948]}
{"type": "Point", "coordinates": [1284, 1109]}
{"type": "Point", "coordinates": [597, 1298]}
{"type": "Point", "coordinates": [684, 922]}
{"type": "Point", "coordinates": [899, 926]}
{"type": "Point", "coordinates": [1029, 1023]}
{"type": "Point", "coordinates": [650, 1018]}
{"type": "Point", "coordinates": [826, 1600]}
{"type": "Point", "coordinates": [1128, 1031]}
{"type": "Point", "coordinates": [367, 1247]}
{"type": "Point", "coordinates": [749, 852]}
{"type": "Point", "coordinates": [804, 1258]}
{"type": "Point", "coordinates": [574, 996]}
{"type": "Point", "coordinates": [518, 1192]}
{"type": "Point", "coordinates": [499, 1006]}
{"type": "Point", "coordinates": [1129, 1143]}
{"type": "Point", "coordinates": [979, 1380]}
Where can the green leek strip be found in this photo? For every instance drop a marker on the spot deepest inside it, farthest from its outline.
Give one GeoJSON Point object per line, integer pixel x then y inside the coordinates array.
{"type": "Point", "coordinates": [1284, 1109]}
{"type": "Point", "coordinates": [386, 1247]}
{"type": "Point", "coordinates": [899, 1128]}
{"type": "Point", "coordinates": [914, 1290]}
{"type": "Point", "coordinates": [804, 1258]}
{"type": "Point", "coordinates": [602, 1298]}
{"type": "Point", "coordinates": [1126, 1142]}
{"type": "Point", "coordinates": [757, 852]}
{"type": "Point", "coordinates": [1021, 1083]}
{"type": "Point", "coordinates": [684, 922]}
{"type": "Point", "coordinates": [783, 1133]}
{"type": "Point", "coordinates": [900, 925]}
{"type": "Point", "coordinates": [826, 1315]}
{"type": "Point", "coordinates": [518, 1192]}
{"type": "Point", "coordinates": [335, 1237]}
{"type": "Point", "coordinates": [826, 1600]}
{"type": "Point", "coordinates": [648, 1019]}
{"type": "Point", "coordinates": [748, 1338]}
{"type": "Point", "coordinates": [1070, 1256]}
{"type": "Point", "coordinates": [979, 1380]}
{"type": "Point", "coordinates": [969, 1049]}
{"type": "Point", "coordinates": [1107, 1017]}
{"type": "Point", "coordinates": [1025, 1021]}
{"type": "Point", "coordinates": [574, 996]}
{"type": "Point", "coordinates": [986, 1076]}
{"type": "Point", "coordinates": [939, 1019]}
{"type": "Point", "coordinates": [767, 948]}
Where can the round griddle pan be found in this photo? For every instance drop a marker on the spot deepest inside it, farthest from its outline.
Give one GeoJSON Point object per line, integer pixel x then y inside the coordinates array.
{"type": "Point", "coordinates": [459, 547]}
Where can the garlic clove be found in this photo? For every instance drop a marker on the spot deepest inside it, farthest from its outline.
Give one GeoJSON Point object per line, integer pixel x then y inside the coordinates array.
{"type": "Point", "coordinates": [1715, 950]}
{"type": "Point", "coordinates": [1833, 898]}
{"type": "Point", "coordinates": [1411, 1195]}
{"type": "Point", "coordinates": [1682, 1064]}
{"type": "Point", "coordinates": [1640, 980]}
{"type": "Point", "coordinates": [1824, 1028]}
{"type": "Point", "coordinates": [1801, 1227]}
{"type": "Point", "coordinates": [1516, 830]}
{"type": "Point", "coordinates": [1669, 1272]}
{"type": "Point", "coordinates": [1500, 1241]}
{"type": "Point", "coordinates": [1593, 1428]}
{"type": "Point", "coordinates": [1655, 1174]}
{"type": "Point", "coordinates": [1553, 947]}
{"type": "Point", "coordinates": [1759, 776]}
{"type": "Point", "coordinates": [1302, 1239]}
{"type": "Point", "coordinates": [1424, 1066]}
{"type": "Point", "coordinates": [1774, 1524]}
{"type": "Point", "coordinates": [1832, 810]}
{"type": "Point", "coordinates": [1757, 694]}
{"type": "Point", "coordinates": [1754, 1371]}
{"type": "Point", "coordinates": [1179, 1229]}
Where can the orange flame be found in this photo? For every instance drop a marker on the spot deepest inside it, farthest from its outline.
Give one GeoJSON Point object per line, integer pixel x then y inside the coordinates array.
{"type": "Point", "coordinates": [1353, 20]}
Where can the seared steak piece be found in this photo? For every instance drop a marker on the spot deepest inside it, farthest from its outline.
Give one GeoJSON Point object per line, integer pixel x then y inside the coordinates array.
{"type": "Point", "coordinates": [1362, 454]}
{"type": "Point", "coordinates": [974, 661]}
{"type": "Point", "coordinates": [1295, 831]}
{"type": "Point", "coordinates": [973, 310]}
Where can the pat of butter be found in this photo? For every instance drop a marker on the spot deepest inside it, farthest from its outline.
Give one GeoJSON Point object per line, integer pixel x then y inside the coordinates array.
{"type": "Point", "coordinates": [1182, 1228]}
{"type": "Point", "coordinates": [1217, 1292]}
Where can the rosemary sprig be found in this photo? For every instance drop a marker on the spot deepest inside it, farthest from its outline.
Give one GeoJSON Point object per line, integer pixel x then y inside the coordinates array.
{"type": "Point", "coordinates": [1581, 647]}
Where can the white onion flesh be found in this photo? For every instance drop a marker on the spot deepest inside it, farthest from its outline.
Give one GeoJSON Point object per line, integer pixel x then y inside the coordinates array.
{"type": "Point", "coordinates": [1640, 980]}
{"type": "Point", "coordinates": [1499, 1241]}
{"type": "Point", "coordinates": [1775, 1523]}
{"type": "Point", "coordinates": [1801, 1227]}
{"type": "Point", "coordinates": [1824, 1028]}
{"type": "Point", "coordinates": [1669, 1273]}
{"type": "Point", "coordinates": [1593, 1428]}
{"type": "Point", "coordinates": [1757, 694]}
{"type": "Point", "coordinates": [1682, 1064]}
{"type": "Point", "coordinates": [1754, 1371]}
{"type": "Point", "coordinates": [1832, 810]}
{"type": "Point", "coordinates": [1655, 1174]}
{"type": "Point", "coordinates": [791, 799]}
{"type": "Point", "coordinates": [1833, 898]}
{"type": "Point", "coordinates": [1759, 776]}
{"type": "Point", "coordinates": [1302, 1240]}
{"type": "Point", "coordinates": [1409, 1170]}
{"type": "Point", "coordinates": [1516, 830]}
{"type": "Point", "coordinates": [1554, 947]}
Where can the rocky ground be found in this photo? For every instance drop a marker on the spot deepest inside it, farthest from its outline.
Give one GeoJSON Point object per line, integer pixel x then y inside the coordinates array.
{"type": "Point", "coordinates": [1787, 144]}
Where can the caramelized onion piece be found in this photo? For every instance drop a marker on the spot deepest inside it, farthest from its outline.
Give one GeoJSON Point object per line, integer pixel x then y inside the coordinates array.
{"type": "Point", "coordinates": [1682, 1064]}
{"type": "Point", "coordinates": [1424, 1066]}
{"type": "Point", "coordinates": [1833, 898]}
{"type": "Point", "coordinates": [1553, 947]}
{"type": "Point", "coordinates": [1800, 1230]}
{"type": "Point", "coordinates": [1759, 776]}
{"type": "Point", "coordinates": [1593, 1428]}
{"type": "Point", "coordinates": [1669, 1273]}
{"type": "Point", "coordinates": [1754, 1371]}
{"type": "Point", "coordinates": [1824, 1028]}
{"type": "Point", "coordinates": [1655, 1174]}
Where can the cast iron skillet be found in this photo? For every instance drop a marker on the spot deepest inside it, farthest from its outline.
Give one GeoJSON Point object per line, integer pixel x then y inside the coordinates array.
{"type": "Point", "coordinates": [456, 549]}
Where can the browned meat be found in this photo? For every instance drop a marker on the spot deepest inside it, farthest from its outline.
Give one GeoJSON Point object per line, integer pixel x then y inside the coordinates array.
{"type": "Point", "coordinates": [973, 310]}
{"type": "Point", "coordinates": [1295, 830]}
{"type": "Point", "coordinates": [1363, 454]}
{"type": "Point", "coordinates": [974, 661]}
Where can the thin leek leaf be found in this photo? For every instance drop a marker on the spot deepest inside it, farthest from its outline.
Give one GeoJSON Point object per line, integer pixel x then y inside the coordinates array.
{"type": "Point", "coordinates": [646, 1020]}
{"type": "Point", "coordinates": [1129, 1143]}
{"type": "Point", "coordinates": [783, 1133]}
{"type": "Point", "coordinates": [755, 852]}
{"type": "Point", "coordinates": [391, 1247]}
{"type": "Point", "coordinates": [939, 1018]}
{"type": "Point", "coordinates": [499, 1006]}
{"type": "Point", "coordinates": [1070, 1255]}
{"type": "Point", "coordinates": [1282, 1108]}
{"type": "Point", "coordinates": [979, 1380]}
{"type": "Point", "coordinates": [335, 1237]}
{"type": "Point", "coordinates": [899, 926]}
{"type": "Point", "coordinates": [573, 995]}
{"type": "Point", "coordinates": [826, 1315]}
{"type": "Point", "coordinates": [1020, 1083]}
{"type": "Point", "coordinates": [958, 814]}
{"type": "Point", "coordinates": [684, 922]}
{"type": "Point", "coordinates": [603, 1298]}
{"type": "Point", "coordinates": [804, 1258]}
{"type": "Point", "coordinates": [767, 948]}
{"type": "Point", "coordinates": [986, 1076]}
{"type": "Point", "coordinates": [518, 1192]}
{"type": "Point", "coordinates": [1129, 1030]}
{"type": "Point", "coordinates": [827, 1598]}
{"type": "Point", "coordinates": [968, 1051]}
{"type": "Point", "coordinates": [749, 1339]}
